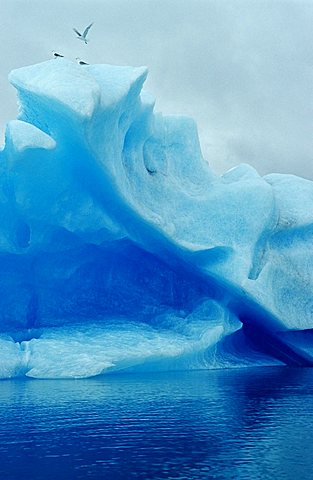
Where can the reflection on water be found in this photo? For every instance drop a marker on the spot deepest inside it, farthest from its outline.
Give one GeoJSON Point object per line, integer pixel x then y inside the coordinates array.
{"type": "Point", "coordinates": [226, 424]}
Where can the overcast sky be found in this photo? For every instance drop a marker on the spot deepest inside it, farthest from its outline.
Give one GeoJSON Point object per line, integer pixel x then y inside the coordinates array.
{"type": "Point", "coordinates": [242, 69]}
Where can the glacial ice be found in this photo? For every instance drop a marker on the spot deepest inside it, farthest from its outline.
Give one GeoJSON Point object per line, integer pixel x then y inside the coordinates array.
{"type": "Point", "coordinates": [121, 250]}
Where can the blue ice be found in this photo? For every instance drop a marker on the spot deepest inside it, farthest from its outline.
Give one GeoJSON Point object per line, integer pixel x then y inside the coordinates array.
{"type": "Point", "coordinates": [122, 250]}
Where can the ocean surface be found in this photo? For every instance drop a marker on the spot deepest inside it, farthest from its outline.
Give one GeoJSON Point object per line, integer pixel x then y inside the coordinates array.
{"type": "Point", "coordinates": [253, 423]}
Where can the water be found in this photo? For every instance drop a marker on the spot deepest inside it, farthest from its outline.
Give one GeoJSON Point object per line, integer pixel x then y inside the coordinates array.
{"type": "Point", "coordinates": [223, 424]}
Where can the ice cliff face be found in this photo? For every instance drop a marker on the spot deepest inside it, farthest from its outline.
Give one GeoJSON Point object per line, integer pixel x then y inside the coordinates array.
{"type": "Point", "coordinates": [120, 248]}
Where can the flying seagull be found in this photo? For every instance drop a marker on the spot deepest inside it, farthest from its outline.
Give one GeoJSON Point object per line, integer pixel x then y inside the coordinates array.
{"type": "Point", "coordinates": [57, 55]}
{"type": "Point", "coordinates": [83, 36]}
{"type": "Point", "coordinates": [78, 60]}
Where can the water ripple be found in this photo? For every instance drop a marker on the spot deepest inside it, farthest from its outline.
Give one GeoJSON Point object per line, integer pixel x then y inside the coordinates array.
{"type": "Point", "coordinates": [237, 424]}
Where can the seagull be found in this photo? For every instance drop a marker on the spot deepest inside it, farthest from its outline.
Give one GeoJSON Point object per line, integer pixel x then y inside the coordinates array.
{"type": "Point", "coordinates": [78, 60]}
{"type": "Point", "coordinates": [83, 36]}
{"type": "Point", "coordinates": [57, 55]}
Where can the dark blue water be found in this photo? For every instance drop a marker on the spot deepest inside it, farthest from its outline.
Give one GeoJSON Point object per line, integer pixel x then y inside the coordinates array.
{"type": "Point", "coordinates": [225, 424]}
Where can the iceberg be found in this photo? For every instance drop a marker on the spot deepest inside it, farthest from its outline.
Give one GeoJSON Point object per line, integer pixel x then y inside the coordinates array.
{"type": "Point", "coordinates": [121, 250]}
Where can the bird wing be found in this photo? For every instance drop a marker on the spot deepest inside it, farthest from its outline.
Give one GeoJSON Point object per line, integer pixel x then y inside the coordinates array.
{"type": "Point", "coordinates": [77, 32]}
{"type": "Point", "coordinates": [87, 30]}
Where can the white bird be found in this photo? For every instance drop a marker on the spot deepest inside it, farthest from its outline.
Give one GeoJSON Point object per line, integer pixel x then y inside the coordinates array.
{"type": "Point", "coordinates": [83, 36]}
{"type": "Point", "coordinates": [57, 55]}
{"type": "Point", "coordinates": [78, 60]}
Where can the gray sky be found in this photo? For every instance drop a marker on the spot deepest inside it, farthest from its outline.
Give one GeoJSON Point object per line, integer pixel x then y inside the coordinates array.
{"type": "Point", "coordinates": [242, 69]}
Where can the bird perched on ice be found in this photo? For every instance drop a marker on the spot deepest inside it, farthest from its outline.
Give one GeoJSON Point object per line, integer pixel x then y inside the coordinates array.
{"type": "Point", "coordinates": [57, 55]}
{"type": "Point", "coordinates": [83, 36]}
{"type": "Point", "coordinates": [80, 62]}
